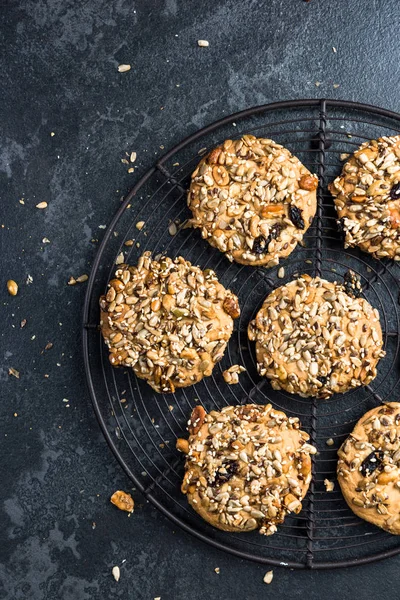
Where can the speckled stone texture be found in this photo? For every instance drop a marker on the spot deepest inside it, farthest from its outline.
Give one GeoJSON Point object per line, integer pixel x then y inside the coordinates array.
{"type": "Point", "coordinates": [59, 74]}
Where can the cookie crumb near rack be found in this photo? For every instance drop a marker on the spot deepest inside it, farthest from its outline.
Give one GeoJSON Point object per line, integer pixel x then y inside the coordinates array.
{"type": "Point", "coordinates": [268, 577]}
{"type": "Point", "coordinates": [329, 485]}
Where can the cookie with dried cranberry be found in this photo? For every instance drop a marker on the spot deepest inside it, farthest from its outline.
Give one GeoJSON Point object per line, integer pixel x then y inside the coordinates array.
{"type": "Point", "coordinates": [315, 339]}
{"type": "Point", "coordinates": [368, 469]}
{"type": "Point", "coordinates": [367, 198]}
{"type": "Point", "coordinates": [168, 320]}
{"type": "Point", "coordinates": [253, 200]}
{"type": "Point", "coordinates": [247, 467]}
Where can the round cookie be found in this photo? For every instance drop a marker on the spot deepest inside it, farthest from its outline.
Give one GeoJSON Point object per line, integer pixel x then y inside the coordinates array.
{"type": "Point", "coordinates": [367, 198]}
{"type": "Point", "coordinates": [369, 467]}
{"type": "Point", "coordinates": [247, 467]}
{"type": "Point", "coordinates": [253, 200]}
{"type": "Point", "coordinates": [168, 320]}
{"type": "Point", "coordinates": [314, 339]}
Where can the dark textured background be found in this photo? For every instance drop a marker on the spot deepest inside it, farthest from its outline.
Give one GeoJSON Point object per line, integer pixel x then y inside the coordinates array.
{"type": "Point", "coordinates": [59, 74]}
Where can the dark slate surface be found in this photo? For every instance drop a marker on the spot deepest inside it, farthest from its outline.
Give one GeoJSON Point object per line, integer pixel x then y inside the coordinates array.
{"type": "Point", "coordinates": [59, 74]}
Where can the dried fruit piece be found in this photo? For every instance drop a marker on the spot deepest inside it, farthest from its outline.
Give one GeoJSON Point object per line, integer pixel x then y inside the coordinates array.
{"type": "Point", "coordinates": [372, 462]}
{"type": "Point", "coordinates": [352, 284]}
{"type": "Point", "coordinates": [260, 245]}
{"type": "Point", "coordinates": [395, 192]}
{"type": "Point", "coordinates": [296, 216]}
{"type": "Point", "coordinates": [394, 217]}
{"type": "Point", "coordinates": [225, 472]}
{"type": "Point", "coordinates": [12, 287]}
{"type": "Point", "coordinates": [123, 501]}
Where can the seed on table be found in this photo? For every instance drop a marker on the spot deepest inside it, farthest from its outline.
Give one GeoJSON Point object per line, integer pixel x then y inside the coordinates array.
{"type": "Point", "coordinates": [281, 273]}
{"type": "Point", "coordinates": [172, 229]}
{"type": "Point", "coordinates": [72, 281]}
{"type": "Point", "coordinates": [120, 259]}
{"type": "Point", "coordinates": [268, 577]}
{"type": "Point", "coordinates": [42, 205]}
{"type": "Point", "coordinates": [133, 157]}
{"type": "Point", "coordinates": [329, 442]}
{"type": "Point", "coordinates": [140, 225]}
{"type": "Point", "coordinates": [116, 573]}
{"type": "Point", "coordinates": [124, 68]}
{"type": "Point", "coordinates": [82, 278]}
{"type": "Point", "coordinates": [203, 43]}
{"type": "Point", "coordinates": [129, 242]}
{"type": "Point", "coordinates": [12, 287]}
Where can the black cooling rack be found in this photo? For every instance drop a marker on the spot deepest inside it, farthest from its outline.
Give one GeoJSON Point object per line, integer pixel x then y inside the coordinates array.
{"type": "Point", "coordinates": [141, 426]}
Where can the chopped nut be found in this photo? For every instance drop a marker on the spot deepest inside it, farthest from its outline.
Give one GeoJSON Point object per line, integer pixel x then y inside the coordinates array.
{"type": "Point", "coordinates": [124, 68]}
{"type": "Point", "coordinates": [329, 485]}
{"type": "Point", "coordinates": [231, 306]}
{"type": "Point", "coordinates": [268, 577]}
{"type": "Point", "coordinates": [216, 570]}
{"type": "Point", "coordinates": [203, 43]}
{"type": "Point", "coordinates": [12, 287]}
{"type": "Point", "coordinates": [120, 259]}
{"type": "Point", "coordinates": [182, 445]}
{"type": "Point", "coordinates": [72, 281]}
{"type": "Point", "coordinates": [231, 375]}
{"type": "Point", "coordinates": [116, 573]}
{"type": "Point", "coordinates": [13, 372]}
{"type": "Point", "coordinates": [140, 225]}
{"type": "Point", "coordinates": [123, 501]}
{"type": "Point", "coordinates": [42, 205]}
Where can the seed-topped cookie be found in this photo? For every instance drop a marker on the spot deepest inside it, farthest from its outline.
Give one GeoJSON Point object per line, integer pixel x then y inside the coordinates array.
{"type": "Point", "coordinates": [314, 339]}
{"type": "Point", "coordinates": [253, 200]}
{"type": "Point", "coordinates": [168, 320]}
{"type": "Point", "coordinates": [369, 467]}
{"type": "Point", "coordinates": [367, 198]}
{"type": "Point", "coordinates": [247, 467]}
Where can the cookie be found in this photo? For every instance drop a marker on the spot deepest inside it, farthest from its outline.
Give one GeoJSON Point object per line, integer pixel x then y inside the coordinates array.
{"type": "Point", "coordinates": [167, 320]}
{"type": "Point", "coordinates": [253, 200]}
{"type": "Point", "coordinates": [367, 198]}
{"type": "Point", "coordinates": [369, 467]}
{"type": "Point", "coordinates": [247, 467]}
{"type": "Point", "coordinates": [314, 339]}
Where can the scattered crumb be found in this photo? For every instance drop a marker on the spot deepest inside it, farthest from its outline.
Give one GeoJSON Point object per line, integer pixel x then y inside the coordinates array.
{"type": "Point", "coordinates": [131, 170]}
{"type": "Point", "coordinates": [123, 501]}
{"type": "Point", "coordinates": [202, 150]}
{"type": "Point", "coordinates": [13, 372]}
{"type": "Point", "coordinates": [94, 525]}
{"type": "Point", "coordinates": [334, 49]}
{"type": "Point", "coordinates": [349, 135]}
{"type": "Point", "coordinates": [158, 598]}
{"type": "Point", "coordinates": [171, 407]}
{"type": "Point", "coordinates": [45, 240]}
{"type": "Point", "coordinates": [336, 85]}
{"type": "Point", "coordinates": [124, 161]}
{"type": "Point", "coordinates": [281, 273]}
{"type": "Point", "coordinates": [82, 278]}
{"type": "Point", "coordinates": [140, 225]}
{"type": "Point", "coordinates": [216, 570]}
{"type": "Point", "coordinates": [15, 414]}
{"type": "Point", "coordinates": [133, 157]}
{"type": "Point", "coordinates": [123, 400]}
{"type": "Point", "coordinates": [329, 442]}
{"type": "Point", "coordinates": [203, 43]}
{"type": "Point", "coordinates": [329, 485]}
{"type": "Point", "coordinates": [72, 281]}
{"type": "Point", "coordinates": [116, 573]}
{"type": "Point", "coordinates": [48, 345]}
{"type": "Point", "coordinates": [22, 201]}
{"type": "Point", "coordinates": [268, 577]}
{"type": "Point", "coordinates": [23, 323]}
{"type": "Point", "coordinates": [29, 280]}
{"type": "Point", "coordinates": [42, 205]}
{"type": "Point", "coordinates": [124, 68]}
{"type": "Point", "coordinates": [52, 134]}
{"type": "Point", "coordinates": [129, 243]}
{"type": "Point", "coordinates": [344, 156]}
{"type": "Point", "coordinates": [120, 259]}
{"type": "Point", "coordinates": [231, 375]}
{"type": "Point", "coordinates": [317, 83]}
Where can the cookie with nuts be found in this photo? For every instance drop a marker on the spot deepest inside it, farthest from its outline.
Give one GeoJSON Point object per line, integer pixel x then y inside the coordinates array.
{"type": "Point", "coordinates": [253, 200]}
{"type": "Point", "coordinates": [247, 467]}
{"type": "Point", "coordinates": [369, 467]}
{"type": "Point", "coordinates": [168, 320]}
{"type": "Point", "coordinates": [367, 198]}
{"type": "Point", "coordinates": [314, 339]}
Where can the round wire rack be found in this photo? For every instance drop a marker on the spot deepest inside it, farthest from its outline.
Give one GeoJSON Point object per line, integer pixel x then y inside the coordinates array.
{"type": "Point", "coordinates": [141, 426]}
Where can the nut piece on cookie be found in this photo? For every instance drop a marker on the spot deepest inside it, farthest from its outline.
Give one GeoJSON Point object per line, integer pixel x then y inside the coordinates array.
{"type": "Point", "coordinates": [313, 339]}
{"type": "Point", "coordinates": [368, 468]}
{"type": "Point", "coordinates": [231, 375]}
{"type": "Point", "coordinates": [247, 467]}
{"type": "Point", "coordinates": [253, 200]}
{"type": "Point", "coordinates": [167, 320]}
{"type": "Point", "coordinates": [367, 198]}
